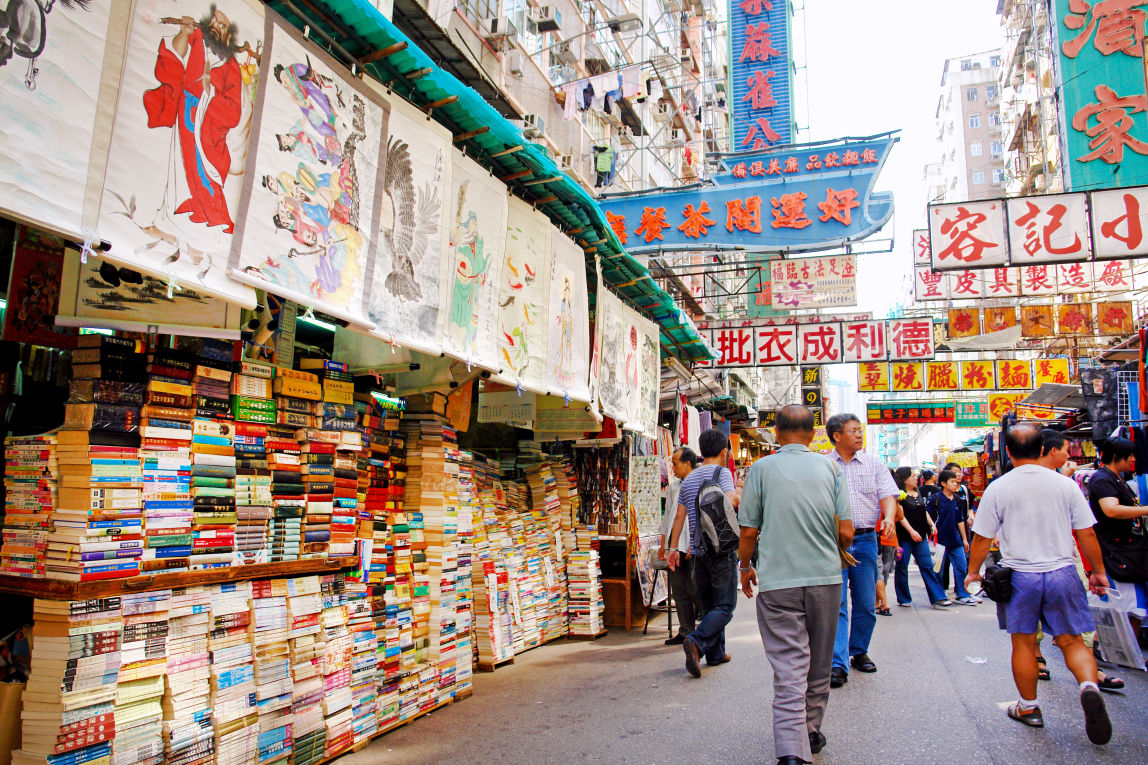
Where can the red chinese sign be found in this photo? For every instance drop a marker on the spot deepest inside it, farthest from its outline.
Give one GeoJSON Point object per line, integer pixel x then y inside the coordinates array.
{"type": "Point", "coordinates": [911, 339]}
{"type": "Point", "coordinates": [968, 235]}
{"type": "Point", "coordinates": [748, 344]}
{"type": "Point", "coordinates": [1049, 229]}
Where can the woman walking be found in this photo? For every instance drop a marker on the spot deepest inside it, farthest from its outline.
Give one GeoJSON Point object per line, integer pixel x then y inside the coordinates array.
{"type": "Point", "coordinates": [913, 533]}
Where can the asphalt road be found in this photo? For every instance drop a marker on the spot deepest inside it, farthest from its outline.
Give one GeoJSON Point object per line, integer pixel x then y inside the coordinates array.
{"type": "Point", "coordinates": [628, 699]}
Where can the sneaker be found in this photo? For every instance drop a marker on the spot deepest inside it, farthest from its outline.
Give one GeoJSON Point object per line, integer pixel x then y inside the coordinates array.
{"type": "Point", "coordinates": [1032, 718]}
{"type": "Point", "coordinates": [970, 601]}
{"type": "Point", "coordinates": [940, 605]}
{"type": "Point", "coordinates": [1096, 722]}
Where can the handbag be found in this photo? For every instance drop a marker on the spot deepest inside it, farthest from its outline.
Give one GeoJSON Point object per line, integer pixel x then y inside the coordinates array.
{"type": "Point", "coordinates": [997, 583]}
{"type": "Point", "coordinates": [1125, 560]}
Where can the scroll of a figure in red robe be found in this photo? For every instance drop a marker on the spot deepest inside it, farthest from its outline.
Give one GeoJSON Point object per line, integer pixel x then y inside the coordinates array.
{"type": "Point", "coordinates": [200, 96]}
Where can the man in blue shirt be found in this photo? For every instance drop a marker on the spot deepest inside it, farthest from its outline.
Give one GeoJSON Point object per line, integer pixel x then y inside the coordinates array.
{"type": "Point", "coordinates": [949, 516]}
{"type": "Point", "coordinates": [715, 575]}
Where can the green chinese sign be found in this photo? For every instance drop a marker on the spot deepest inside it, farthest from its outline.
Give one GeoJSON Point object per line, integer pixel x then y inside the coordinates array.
{"type": "Point", "coordinates": [972, 414]}
{"type": "Point", "coordinates": [759, 298]}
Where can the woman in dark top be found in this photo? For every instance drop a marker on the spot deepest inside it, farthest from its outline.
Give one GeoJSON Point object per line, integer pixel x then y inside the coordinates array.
{"type": "Point", "coordinates": [913, 533]}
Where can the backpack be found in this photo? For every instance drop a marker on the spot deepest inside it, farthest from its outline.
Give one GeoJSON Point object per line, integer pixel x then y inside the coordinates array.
{"type": "Point", "coordinates": [717, 520]}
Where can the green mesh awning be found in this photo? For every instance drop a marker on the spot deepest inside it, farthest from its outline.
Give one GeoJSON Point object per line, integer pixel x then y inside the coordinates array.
{"type": "Point", "coordinates": [354, 29]}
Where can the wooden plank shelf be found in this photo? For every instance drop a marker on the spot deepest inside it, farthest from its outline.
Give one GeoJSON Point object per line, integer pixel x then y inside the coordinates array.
{"type": "Point", "coordinates": [56, 589]}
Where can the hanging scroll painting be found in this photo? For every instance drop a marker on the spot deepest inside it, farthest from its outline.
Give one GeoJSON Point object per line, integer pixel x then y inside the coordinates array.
{"type": "Point", "coordinates": [403, 299]}
{"type": "Point", "coordinates": [53, 58]}
{"type": "Point", "coordinates": [612, 393]}
{"type": "Point", "coordinates": [180, 140]}
{"type": "Point", "coordinates": [649, 374]}
{"type": "Point", "coordinates": [309, 232]}
{"type": "Point", "coordinates": [568, 346]}
{"type": "Point", "coordinates": [524, 293]}
{"type": "Point", "coordinates": [477, 220]}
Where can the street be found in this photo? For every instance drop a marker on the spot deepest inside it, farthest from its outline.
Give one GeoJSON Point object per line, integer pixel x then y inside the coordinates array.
{"type": "Point", "coordinates": [627, 698]}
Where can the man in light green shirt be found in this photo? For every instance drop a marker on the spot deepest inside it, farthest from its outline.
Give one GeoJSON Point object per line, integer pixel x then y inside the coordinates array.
{"type": "Point", "coordinates": [795, 510]}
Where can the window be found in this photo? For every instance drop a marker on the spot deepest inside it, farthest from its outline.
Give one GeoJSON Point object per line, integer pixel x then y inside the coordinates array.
{"type": "Point", "coordinates": [978, 177]}
{"type": "Point", "coordinates": [994, 119]}
{"type": "Point", "coordinates": [994, 61]}
{"type": "Point", "coordinates": [996, 147]}
{"type": "Point", "coordinates": [974, 121]}
{"type": "Point", "coordinates": [975, 149]}
{"type": "Point", "coordinates": [998, 175]}
{"type": "Point", "coordinates": [971, 94]}
{"type": "Point", "coordinates": [990, 92]}
{"type": "Point", "coordinates": [476, 10]}
{"type": "Point", "coordinates": [966, 65]}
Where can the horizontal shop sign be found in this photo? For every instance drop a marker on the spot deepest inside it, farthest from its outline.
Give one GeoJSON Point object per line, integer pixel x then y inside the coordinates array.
{"type": "Point", "coordinates": [908, 412]}
{"type": "Point", "coordinates": [823, 343]}
{"type": "Point", "coordinates": [984, 375]}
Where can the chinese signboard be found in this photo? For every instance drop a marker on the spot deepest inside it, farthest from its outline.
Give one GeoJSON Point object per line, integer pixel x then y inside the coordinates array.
{"type": "Point", "coordinates": [762, 108]}
{"type": "Point", "coordinates": [1030, 281]}
{"type": "Point", "coordinates": [797, 198]}
{"type": "Point", "coordinates": [903, 412]}
{"type": "Point", "coordinates": [1001, 404]}
{"type": "Point", "coordinates": [1102, 91]}
{"type": "Point", "coordinates": [972, 414]}
{"type": "Point", "coordinates": [1002, 374]}
{"type": "Point", "coordinates": [826, 282]}
{"type": "Point", "coordinates": [1037, 230]}
{"type": "Point", "coordinates": [759, 302]}
{"type": "Point", "coordinates": [822, 343]}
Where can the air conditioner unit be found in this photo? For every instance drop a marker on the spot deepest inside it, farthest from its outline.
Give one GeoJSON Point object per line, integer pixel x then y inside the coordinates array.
{"type": "Point", "coordinates": [533, 126]}
{"type": "Point", "coordinates": [547, 18]}
{"type": "Point", "coordinates": [499, 31]}
{"type": "Point", "coordinates": [567, 53]}
{"type": "Point", "coordinates": [664, 112]}
{"type": "Point", "coordinates": [514, 64]}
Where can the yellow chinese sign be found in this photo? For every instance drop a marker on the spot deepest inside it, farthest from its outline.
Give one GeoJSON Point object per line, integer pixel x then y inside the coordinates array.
{"type": "Point", "coordinates": [977, 375]}
{"type": "Point", "coordinates": [873, 377]}
{"type": "Point", "coordinates": [944, 375]}
{"type": "Point", "coordinates": [1014, 374]}
{"type": "Point", "coordinates": [1001, 404]}
{"type": "Point", "coordinates": [907, 375]}
{"type": "Point", "coordinates": [1050, 371]}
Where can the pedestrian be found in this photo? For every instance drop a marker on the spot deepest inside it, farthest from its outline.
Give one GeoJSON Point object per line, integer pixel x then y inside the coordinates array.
{"type": "Point", "coordinates": [913, 532]}
{"type": "Point", "coordinates": [715, 574]}
{"type": "Point", "coordinates": [927, 484]}
{"type": "Point", "coordinates": [949, 516]}
{"type": "Point", "coordinates": [964, 501]}
{"type": "Point", "coordinates": [1121, 528]}
{"type": "Point", "coordinates": [873, 497]}
{"type": "Point", "coordinates": [1054, 456]}
{"type": "Point", "coordinates": [888, 550]}
{"type": "Point", "coordinates": [1031, 510]}
{"type": "Point", "coordinates": [795, 513]}
{"type": "Point", "coordinates": [682, 463]}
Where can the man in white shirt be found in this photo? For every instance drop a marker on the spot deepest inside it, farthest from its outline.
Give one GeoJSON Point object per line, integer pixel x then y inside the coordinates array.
{"type": "Point", "coordinates": [1031, 509]}
{"type": "Point", "coordinates": [682, 462]}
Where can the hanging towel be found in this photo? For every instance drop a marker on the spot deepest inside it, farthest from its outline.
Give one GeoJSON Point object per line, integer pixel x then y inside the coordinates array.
{"type": "Point", "coordinates": [570, 108]}
{"type": "Point", "coordinates": [631, 82]}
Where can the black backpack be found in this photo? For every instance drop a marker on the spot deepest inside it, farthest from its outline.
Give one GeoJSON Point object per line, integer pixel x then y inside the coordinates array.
{"type": "Point", "coordinates": [717, 520]}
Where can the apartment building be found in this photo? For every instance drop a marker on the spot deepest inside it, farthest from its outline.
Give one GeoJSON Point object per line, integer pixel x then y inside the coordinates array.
{"type": "Point", "coordinates": [969, 131]}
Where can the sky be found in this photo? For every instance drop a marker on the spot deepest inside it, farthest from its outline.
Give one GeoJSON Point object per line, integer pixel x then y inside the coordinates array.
{"type": "Point", "coordinates": [875, 67]}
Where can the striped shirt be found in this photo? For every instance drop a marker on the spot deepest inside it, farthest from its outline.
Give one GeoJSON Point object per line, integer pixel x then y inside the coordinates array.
{"type": "Point", "coordinates": [869, 482]}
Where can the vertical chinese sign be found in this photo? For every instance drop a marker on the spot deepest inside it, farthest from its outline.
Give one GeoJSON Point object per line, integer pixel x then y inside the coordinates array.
{"type": "Point", "coordinates": [1102, 92]}
{"type": "Point", "coordinates": [762, 108]}
{"type": "Point", "coordinates": [759, 297]}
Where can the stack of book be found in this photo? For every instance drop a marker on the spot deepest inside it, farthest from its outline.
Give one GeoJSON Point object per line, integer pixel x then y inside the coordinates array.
{"type": "Point", "coordinates": [233, 702]}
{"type": "Point", "coordinates": [307, 648]}
{"type": "Point", "coordinates": [213, 490]}
{"type": "Point", "coordinates": [273, 686]}
{"type": "Point", "coordinates": [139, 694]}
{"type": "Point", "coordinates": [569, 501]}
{"type": "Point", "coordinates": [464, 595]}
{"type": "Point", "coordinates": [165, 453]}
{"type": "Point", "coordinates": [344, 510]}
{"type": "Point", "coordinates": [253, 498]}
{"type": "Point", "coordinates": [336, 669]}
{"type": "Point", "coordinates": [97, 525]}
{"type": "Point", "coordinates": [31, 474]}
{"type": "Point", "coordinates": [525, 571]}
{"type": "Point", "coordinates": [252, 399]}
{"type": "Point", "coordinates": [364, 660]}
{"type": "Point", "coordinates": [546, 534]}
{"type": "Point", "coordinates": [318, 473]}
{"type": "Point", "coordinates": [187, 731]}
{"type": "Point", "coordinates": [491, 584]}
{"type": "Point", "coordinates": [584, 579]}
{"type": "Point", "coordinates": [69, 703]}
{"type": "Point", "coordinates": [287, 493]}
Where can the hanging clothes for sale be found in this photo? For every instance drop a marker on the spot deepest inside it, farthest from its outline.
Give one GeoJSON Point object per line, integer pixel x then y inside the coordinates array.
{"type": "Point", "coordinates": [1140, 376]}
{"type": "Point", "coordinates": [705, 421]}
{"type": "Point", "coordinates": [1140, 446]}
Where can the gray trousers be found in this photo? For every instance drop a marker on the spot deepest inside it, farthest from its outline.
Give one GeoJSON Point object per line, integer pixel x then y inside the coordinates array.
{"type": "Point", "coordinates": [798, 626]}
{"type": "Point", "coordinates": [686, 601]}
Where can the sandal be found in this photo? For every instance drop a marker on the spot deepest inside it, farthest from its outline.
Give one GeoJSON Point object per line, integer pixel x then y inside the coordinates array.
{"type": "Point", "coordinates": [1111, 684]}
{"type": "Point", "coordinates": [884, 611]}
{"type": "Point", "coordinates": [1042, 672]}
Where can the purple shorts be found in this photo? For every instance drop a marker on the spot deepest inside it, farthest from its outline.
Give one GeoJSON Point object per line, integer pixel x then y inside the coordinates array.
{"type": "Point", "coordinates": [1055, 598]}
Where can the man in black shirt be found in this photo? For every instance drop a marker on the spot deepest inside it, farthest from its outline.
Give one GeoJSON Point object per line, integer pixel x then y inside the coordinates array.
{"type": "Point", "coordinates": [1120, 526]}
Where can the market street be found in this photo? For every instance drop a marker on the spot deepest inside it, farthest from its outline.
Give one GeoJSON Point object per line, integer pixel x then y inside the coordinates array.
{"type": "Point", "coordinates": [628, 699]}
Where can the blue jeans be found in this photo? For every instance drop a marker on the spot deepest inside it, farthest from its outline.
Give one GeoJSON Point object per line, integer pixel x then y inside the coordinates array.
{"type": "Point", "coordinates": [716, 580]}
{"type": "Point", "coordinates": [920, 551]}
{"type": "Point", "coordinates": [960, 561]}
{"type": "Point", "coordinates": [860, 583]}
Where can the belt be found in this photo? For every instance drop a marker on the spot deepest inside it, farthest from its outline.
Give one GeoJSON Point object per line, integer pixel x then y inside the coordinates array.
{"type": "Point", "coordinates": [859, 532]}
